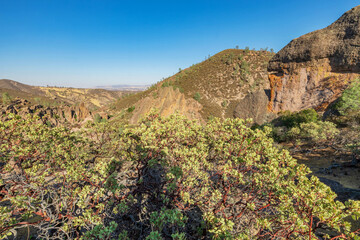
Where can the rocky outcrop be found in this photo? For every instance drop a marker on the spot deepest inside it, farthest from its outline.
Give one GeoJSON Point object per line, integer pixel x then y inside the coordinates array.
{"type": "Point", "coordinates": [254, 106]}
{"type": "Point", "coordinates": [167, 101]}
{"type": "Point", "coordinates": [50, 115]}
{"type": "Point", "coordinates": [313, 70]}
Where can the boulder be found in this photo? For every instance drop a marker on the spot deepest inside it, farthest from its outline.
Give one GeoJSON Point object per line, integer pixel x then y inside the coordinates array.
{"type": "Point", "coordinates": [253, 106]}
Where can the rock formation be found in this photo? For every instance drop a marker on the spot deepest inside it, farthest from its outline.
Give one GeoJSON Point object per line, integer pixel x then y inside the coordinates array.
{"type": "Point", "coordinates": [50, 115]}
{"type": "Point", "coordinates": [167, 101]}
{"type": "Point", "coordinates": [313, 70]}
{"type": "Point", "coordinates": [254, 106]}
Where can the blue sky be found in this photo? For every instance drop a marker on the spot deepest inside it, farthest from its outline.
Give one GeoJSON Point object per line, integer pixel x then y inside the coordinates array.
{"type": "Point", "coordinates": [85, 43]}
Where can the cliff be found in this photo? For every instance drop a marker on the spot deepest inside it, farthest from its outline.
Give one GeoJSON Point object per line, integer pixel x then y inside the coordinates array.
{"type": "Point", "coordinates": [313, 70]}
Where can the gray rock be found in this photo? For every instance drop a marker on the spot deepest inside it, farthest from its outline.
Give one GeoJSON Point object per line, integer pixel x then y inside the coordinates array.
{"type": "Point", "coordinates": [254, 106]}
{"type": "Point", "coordinates": [343, 193]}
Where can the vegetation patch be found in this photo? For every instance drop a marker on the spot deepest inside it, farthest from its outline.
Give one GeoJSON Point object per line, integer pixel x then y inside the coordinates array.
{"type": "Point", "coordinates": [166, 177]}
{"type": "Point", "coordinates": [197, 96]}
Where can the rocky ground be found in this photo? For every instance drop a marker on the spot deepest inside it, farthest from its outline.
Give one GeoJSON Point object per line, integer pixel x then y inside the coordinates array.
{"type": "Point", "coordinates": [334, 166]}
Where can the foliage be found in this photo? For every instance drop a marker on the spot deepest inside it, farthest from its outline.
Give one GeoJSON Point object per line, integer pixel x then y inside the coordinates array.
{"type": "Point", "coordinates": [224, 103]}
{"type": "Point", "coordinates": [174, 84]}
{"type": "Point", "coordinates": [303, 125]}
{"type": "Point", "coordinates": [313, 131]}
{"type": "Point", "coordinates": [350, 99]}
{"type": "Point", "coordinates": [247, 49]}
{"type": "Point", "coordinates": [197, 96]}
{"type": "Point", "coordinates": [55, 174]}
{"type": "Point", "coordinates": [229, 58]}
{"type": "Point", "coordinates": [245, 70]}
{"type": "Point", "coordinates": [131, 109]}
{"type": "Point", "coordinates": [6, 99]}
{"type": "Point", "coordinates": [165, 84]}
{"type": "Point", "coordinates": [289, 119]}
{"type": "Point", "coordinates": [97, 118]}
{"type": "Point", "coordinates": [165, 178]}
{"type": "Point", "coordinates": [100, 232]}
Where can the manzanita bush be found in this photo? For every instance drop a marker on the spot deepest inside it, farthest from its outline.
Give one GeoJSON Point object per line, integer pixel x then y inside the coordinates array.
{"type": "Point", "coordinates": [166, 178]}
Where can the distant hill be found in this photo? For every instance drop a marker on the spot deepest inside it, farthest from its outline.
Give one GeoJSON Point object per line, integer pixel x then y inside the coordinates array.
{"type": "Point", "coordinates": [231, 83]}
{"type": "Point", "coordinates": [91, 97]}
{"type": "Point", "coordinates": [124, 87]}
{"type": "Point", "coordinates": [17, 86]}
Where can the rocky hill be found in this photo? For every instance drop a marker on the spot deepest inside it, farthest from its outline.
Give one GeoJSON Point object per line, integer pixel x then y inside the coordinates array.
{"type": "Point", "coordinates": [55, 95]}
{"type": "Point", "coordinates": [313, 70]}
{"type": "Point", "coordinates": [231, 83]}
{"type": "Point", "coordinates": [60, 115]}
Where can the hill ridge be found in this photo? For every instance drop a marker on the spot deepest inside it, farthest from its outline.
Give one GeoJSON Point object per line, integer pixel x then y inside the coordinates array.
{"type": "Point", "coordinates": [218, 84]}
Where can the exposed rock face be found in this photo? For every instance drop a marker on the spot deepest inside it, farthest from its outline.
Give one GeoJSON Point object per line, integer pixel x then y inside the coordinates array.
{"type": "Point", "coordinates": [54, 115]}
{"type": "Point", "coordinates": [313, 70]}
{"type": "Point", "coordinates": [167, 101]}
{"type": "Point", "coordinates": [253, 106]}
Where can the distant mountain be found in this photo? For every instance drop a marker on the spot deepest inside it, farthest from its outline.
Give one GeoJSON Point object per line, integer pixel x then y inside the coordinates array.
{"type": "Point", "coordinates": [17, 86]}
{"type": "Point", "coordinates": [91, 97]}
{"type": "Point", "coordinates": [124, 87]}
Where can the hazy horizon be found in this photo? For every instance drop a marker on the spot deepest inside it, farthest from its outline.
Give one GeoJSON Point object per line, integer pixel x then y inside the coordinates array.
{"type": "Point", "coordinates": [92, 43]}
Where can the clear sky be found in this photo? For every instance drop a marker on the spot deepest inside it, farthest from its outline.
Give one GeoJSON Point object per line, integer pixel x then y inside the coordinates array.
{"type": "Point", "coordinates": [85, 43]}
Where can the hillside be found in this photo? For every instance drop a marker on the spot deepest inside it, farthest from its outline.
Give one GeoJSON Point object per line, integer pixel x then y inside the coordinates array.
{"type": "Point", "coordinates": [215, 87]}
{"type": "Point", "coordinates": [93, 98]}
{"type": "Point", "coordinates": [124, 87]}
{"type": "Point", "coordinates": [16, 86]}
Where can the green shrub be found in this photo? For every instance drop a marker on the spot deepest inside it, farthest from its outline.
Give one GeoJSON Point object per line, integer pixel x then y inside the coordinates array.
{"type": "Point", "coordinates": [131, 109]}
{"type": "Point", "coordinates": [101, 232]}
{"type": "Point", "coordinates": [197, 96]}
{"type": "Point", "coordinates": [245, 68]}
{"type": "Point", "coordinates": [178, 87]}
{"type": "Point", "coordinates": [165, 84]}
{"type": "Point", "coordinates": [229, 58]}
{"type": "Point", "coordinates": [6, 99]}
{"type": "Point", "coordinates": [154, 235]}
{"type": "Point", "coordinates": [313, 131]}
{"type": "Point", "coordinates": [350, 98]}
{"type": "Point", "coordinates": [37, 100]}
{"type": "Point", "coordinates": [247, 50]}
{"type": "Point", "coordinates": [170, 217]}
{"type": "Point", "coordinates": [97, 118]}
{"type": "Point", "coordinates": [164, 177]}
{"type": "Point", "coordinates": [290, 120]}
{"type": "Point", "coordinates": [236, 69]}
{"type": "Point", "coordinates": [48, 123]}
